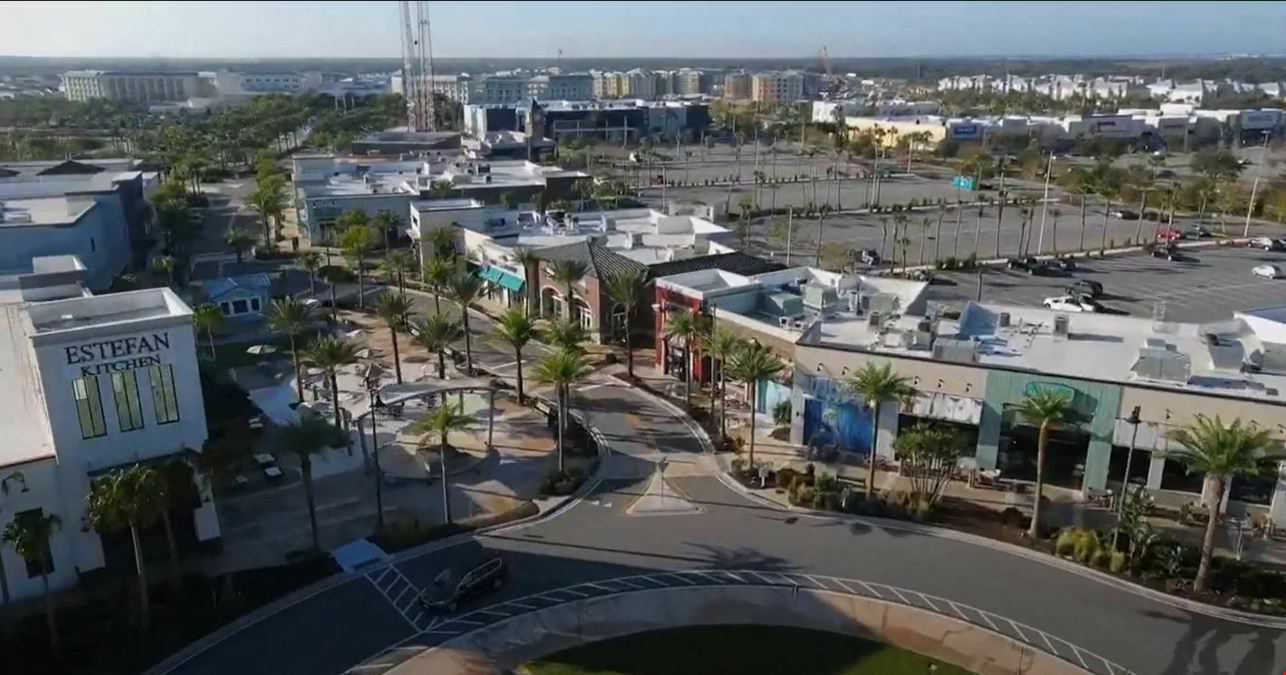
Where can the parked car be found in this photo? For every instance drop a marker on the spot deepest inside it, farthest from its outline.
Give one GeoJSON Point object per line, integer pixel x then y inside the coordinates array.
{"type": "Point", "coordinates": [1021, 263]}
{"type": "Point", "coordinates": [1072, 303]}
{"type": "Point", "coordinates": [1169, 234]}
{"type": "Point", "coordinates": [1267, 271]}
{"type": "Point", "coordinates": [1067, 264]}
{"type": "Point", "coordinates": [1198, 232]}
{"type": "Point", "coordinates": [1169, 252]}
{"type": "Point", "coordinates": [1165, 173]}
{"type": "Point", "coordinates": [446, 595]}
{"type": "Point", "coordinates": [869, 256]}
{"type": "Point", "coordinates": [1268, 243]}
{"type": "Point", "coordinates": [1085, 287]}
{"type": "Point", "coordinates": [1125, 214]}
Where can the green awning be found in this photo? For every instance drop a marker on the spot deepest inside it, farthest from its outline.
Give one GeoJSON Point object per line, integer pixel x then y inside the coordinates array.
{"type": "Point", "coordinates": [499, 276]}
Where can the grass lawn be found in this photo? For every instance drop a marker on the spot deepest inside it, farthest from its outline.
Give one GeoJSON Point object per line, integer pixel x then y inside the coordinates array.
{"type": "Point", "coordinates": [743, 650]}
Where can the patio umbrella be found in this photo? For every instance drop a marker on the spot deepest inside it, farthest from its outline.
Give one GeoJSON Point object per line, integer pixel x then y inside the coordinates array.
{"type": "Point", "coordinates": [260, 350]}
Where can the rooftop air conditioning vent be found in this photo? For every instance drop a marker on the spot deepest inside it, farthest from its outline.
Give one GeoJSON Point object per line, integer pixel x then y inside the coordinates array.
{"type": "Point", "coordinates": [1062, 326]}
{"type": "Point", "coordinates": [1004, 320]}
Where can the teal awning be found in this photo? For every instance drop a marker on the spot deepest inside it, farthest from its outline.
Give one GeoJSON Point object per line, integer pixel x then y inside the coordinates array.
{"type": "Point", "coordinates": [499, 276]}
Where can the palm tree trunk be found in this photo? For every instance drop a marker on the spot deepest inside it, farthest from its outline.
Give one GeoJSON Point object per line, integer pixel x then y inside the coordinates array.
{"type": "Point", "coordinates": [518, 353]}
{"type": "Point", "coordinates": [141, 569]}
{"type": "Point", "coordinates": [937, 237]}
{"type": "Point", "coordinates": [870, 457]}
{"type": "Point", "coordinates": [446, 489]}
{"type": "Point", "coordinates": [1107, 207]}
{"type": "Point", "coordinates": [1033, 530]}
{"type": "Point", "coordinates": [468, 340]}
{"type": "Point", "coordinates": [442, 365]}
{"type": "Point", "coordinates": [723, 402]}
{"type": "Point", "coordinates": [955, 247]}
{"type": "Point", "coordinates": [176, 575]}
{"type": "Point", "coordinates": [1208, 541]}
{"type": "Point", "coordinates": [1054, 225]}
{"type": "Point", "coordinates": [334, 397]}
{"type": "Point", "coordinates": [1000, 217]}
{"type": "Point", "coordinates": [754, 391]}
{"type": "Point", "coordinates": [361, 284]}
{"type": "Point", "coordinates": [306, 468]}
{"type": "Point", "coordinates": [562, 424]}
{"type": "Point", "coordinates": [51, 621]}
{"type": "Point", "coordinates": [209, 336]}
{"type": "Point", "coordinates": [397, 362]}
{"type": "Point", "coordinates": [687, 374]}
{"type": "Point", "coordinates": [437, 304]}
{"type": "Point", "coordinates": [299, 375]}
{"type": "Point", "coordinates": [629, 343]}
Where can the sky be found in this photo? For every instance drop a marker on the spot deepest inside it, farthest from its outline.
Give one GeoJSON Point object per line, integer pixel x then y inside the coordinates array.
{"type": "Point", "coordinates": [741, 29]}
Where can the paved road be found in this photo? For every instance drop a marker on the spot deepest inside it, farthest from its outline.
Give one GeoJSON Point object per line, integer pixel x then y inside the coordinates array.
{"type": "Point", "coordinates": [373, 620]}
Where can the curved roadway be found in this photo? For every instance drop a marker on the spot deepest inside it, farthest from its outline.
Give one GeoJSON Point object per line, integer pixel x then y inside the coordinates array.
{"type": "Point", "coordinates": [357, 624]}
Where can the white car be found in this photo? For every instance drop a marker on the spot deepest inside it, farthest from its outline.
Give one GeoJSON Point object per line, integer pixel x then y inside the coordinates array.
{"type": "Point", "coordinates": [1267, 271]}
{"type": "Point", "coordinates": [1069, 303]}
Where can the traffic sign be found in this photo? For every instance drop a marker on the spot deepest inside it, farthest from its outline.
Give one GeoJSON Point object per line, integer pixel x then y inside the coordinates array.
{"type": "Point", "coordinates": [962, 182]}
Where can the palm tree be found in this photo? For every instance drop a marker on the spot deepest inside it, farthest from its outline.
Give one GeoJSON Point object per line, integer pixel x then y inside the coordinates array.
{"type": "Point", "coordinates": [291, 317]}
{"type": "Point", "coordinates": [384, 221]}
{"type": "Point", "coordinates": [445, 419]}
{"type": "Point", "coordinates": [395, 310]}
{"type": "Point", "coordinates": [1222, 452]}
{"type": "Point", "coordinates": [518, 329]}
{"type": "Point", "coordinates": [163, 266]}
{"type": "Point", "coordinates": [437, 276]}
{"type": "Point", "coordinates": [311, 261]}
{"type": "Point", "coordinates": [464, 288]}
{"type": "Point", "coordinates": [132, 498]}
{"type": "Point", "coordinates": [529, 259]}
{"type": "Point", "coordinates": [240, 241]}
{"type": "Point", "coordinates": [568, 273]}
{"type": "Point", "coordinates": [721, 346]}
{"type": "Point", "coordinates": [937, 235]}
{"type": "Point", "coordinates": [441, 241]}
{"type": "Point", "coordinates": [396, 264]}
{"type": "Point", "coordinates": [268, 201]}
{"type": "Point", "coordinates": [355, 239]}
{"type": "Point", "coordinates": [686, 326]}
{"type": "Point", "coordinates": [1047, 409]}
{"type": "Point", "coordinates": [305, 437]}
{"type": "Point", "coordinates": [567, 334]}
{"type": "Point", "coordinates": [30, 537]}
{"type": "Point", "coordinates": [627, 288]}
{"type": "Point", "coordinates": [560, 370]}
{"type": "Point", "coordinates": [435, 335]}
{"type": "Point", "coordinates": [750, 365]}
{"type": "Point", "coordinates": [329, 353]}
{"type": "Point", "coordinates": [207, 317]}
{"type": "Point", "coordinates": [924, 237]}
{"type": "Point", "coordinates": [877, 385]}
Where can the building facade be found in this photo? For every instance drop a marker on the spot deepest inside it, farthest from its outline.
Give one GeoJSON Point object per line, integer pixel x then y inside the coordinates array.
{"type": "Point", "coordinates": [130, 87]}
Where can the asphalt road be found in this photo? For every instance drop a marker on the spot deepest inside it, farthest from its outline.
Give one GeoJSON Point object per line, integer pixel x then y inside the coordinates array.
{"type": "Point", "coordinates": [372, 619]}
{"type": "Point", "coordinates": [1205, 287]}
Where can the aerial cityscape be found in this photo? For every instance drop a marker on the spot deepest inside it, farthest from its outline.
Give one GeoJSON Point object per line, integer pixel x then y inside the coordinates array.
{"type": "Point", "coordinates": [642, 338]}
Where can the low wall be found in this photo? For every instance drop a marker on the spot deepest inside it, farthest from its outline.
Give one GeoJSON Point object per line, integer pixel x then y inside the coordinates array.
{"type": "Point", "coordinates": [529, 636]}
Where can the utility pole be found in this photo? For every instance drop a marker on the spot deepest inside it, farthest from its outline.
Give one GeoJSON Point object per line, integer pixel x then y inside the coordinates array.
{"type": "Point", "coordinates": [790, 231]}
{"type": "Point", "coordinates": [1134, 421]}
{"type": "Point", "coordinates": [1254, 188]}
{"type": "Point", "coordinates": [1044, 206]}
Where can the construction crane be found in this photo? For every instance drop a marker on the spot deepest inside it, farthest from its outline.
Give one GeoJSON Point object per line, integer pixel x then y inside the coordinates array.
{"type": "Point", "coordinates": [825, 57]}
{"type": "Point", "coordinates": [417, 65]}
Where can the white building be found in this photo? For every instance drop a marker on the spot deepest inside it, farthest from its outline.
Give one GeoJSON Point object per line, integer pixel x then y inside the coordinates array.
{"type": "Point", "coordinates": [131, 87]}
{"type": "Point", "coordinates": [227, 83]}
{"type": "Point", "coordinates": [91, 384]}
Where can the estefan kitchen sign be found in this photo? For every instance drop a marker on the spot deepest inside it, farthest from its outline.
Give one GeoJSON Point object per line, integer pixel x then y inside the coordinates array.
{"type": "Point", "coordinates": [107, 356]}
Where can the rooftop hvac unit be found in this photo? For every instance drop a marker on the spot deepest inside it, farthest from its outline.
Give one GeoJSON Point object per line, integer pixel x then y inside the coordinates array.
{"type": "Point", "coordinates": [1062, 326]}
{"type": "Point", "coordinates": [1004, 320]}
{"type": "Point", "coordinates": [875, 320]}
{"type": "Point", "coordinates": [783, 321]}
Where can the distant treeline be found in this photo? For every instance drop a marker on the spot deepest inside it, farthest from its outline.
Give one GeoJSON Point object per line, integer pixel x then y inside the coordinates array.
{"type": "Point", "coordinates": [1252, 69]}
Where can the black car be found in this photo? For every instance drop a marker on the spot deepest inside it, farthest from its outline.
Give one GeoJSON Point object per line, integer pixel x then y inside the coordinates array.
{"type": "Point", "coordinates": [1066, 264]}
{"type": "Point", "coordinates": [1085, 287]}
{"type": "Point", "coordinates": [869, 256]}
{"type": "Point", "coordinates": [1021, 263]}
{"type": "Point", "coordinates": [446, 594]}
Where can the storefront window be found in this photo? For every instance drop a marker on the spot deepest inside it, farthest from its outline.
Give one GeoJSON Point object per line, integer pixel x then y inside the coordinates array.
{"type": "Point", "coordinates": [1256, 488]}
{"type": "Point", "coordinates": [36, 566]}
{"type": "Point", "coordinates": [1175, 477]}
{"type": "Point", "coordinates": [129, 412]}
{"type": "Point", "coordinates": [1138, 465]}
{"type": "Point", "coordinates": [89, 407]}
{"type": "Point", "coordinates": [1064, 455]}
{"type": "Point", "coordinates": [164, 400]}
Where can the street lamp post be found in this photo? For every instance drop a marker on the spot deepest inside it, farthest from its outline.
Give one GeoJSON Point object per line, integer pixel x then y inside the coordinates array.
{"type": "Point", "coordinates": [1134, 421]}
{"type": "Point", "coordinates": [372, 391]}
{"type": "Point", "coordinates": [1254, 188]}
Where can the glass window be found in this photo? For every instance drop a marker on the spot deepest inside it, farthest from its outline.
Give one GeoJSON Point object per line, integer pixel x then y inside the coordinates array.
{"type": "Point", "coordinates": [239, 307]}
{"type": "Point", "coordinates": [164, 400]}
{"type": "Point", "coordinates": [129, 412]}
{"type": "Point", "coordinates": [254, 304]}
{"type": "Point", "coordinates": [89, 407]}
{"type": "Point", "coordinates": [35, 564]}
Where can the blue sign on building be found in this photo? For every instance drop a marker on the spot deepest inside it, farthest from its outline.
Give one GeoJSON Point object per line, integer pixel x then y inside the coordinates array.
{"type": "Point", "coordinates": [962, 182]}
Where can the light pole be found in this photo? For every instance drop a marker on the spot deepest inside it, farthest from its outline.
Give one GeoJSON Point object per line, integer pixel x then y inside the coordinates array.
{"type": "Point", "coordinates": [1254, 188]}
{"type": "Point", "coordinates": [372, 391]}
{"type": "Point", "coordinates": [1134, 421]}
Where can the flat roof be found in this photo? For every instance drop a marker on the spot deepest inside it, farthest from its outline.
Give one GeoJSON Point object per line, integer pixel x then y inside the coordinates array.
{"type": "Point", "coordinates": [74, 314]}
{"type": "Point", "coordinates": [41, 211]}
{"type": "Point", "coordinates": [27, 436]}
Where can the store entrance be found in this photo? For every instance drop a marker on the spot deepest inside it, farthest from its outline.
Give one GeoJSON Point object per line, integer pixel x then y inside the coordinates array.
{"type": "Point", "coordinates": [1064, 456]}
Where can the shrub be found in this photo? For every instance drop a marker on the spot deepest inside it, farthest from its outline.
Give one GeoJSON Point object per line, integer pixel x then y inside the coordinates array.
{"type": "Point", "coordinates": [1086, 546]}
{"type": "Point", "coordinates": [781, 414]}
{"type": "Point", "coordinates": [826, 482]}
{"type": "Point", "coordinates": [785, 477]}
{"type": "Point", "coordinates": [1100, 558]}
{"type": "Point", "coordinates": [1117, 563]}
{"type": "Point", "coordinates": [805, 495]}
{"type": "Point", "coordinates": [1066, 542]}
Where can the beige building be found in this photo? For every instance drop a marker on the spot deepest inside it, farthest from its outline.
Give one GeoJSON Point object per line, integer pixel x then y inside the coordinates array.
{"type": "Point", "coordinates": [130, 87]}
{"type": "Point", "coordinates": [736, 86]}
{"type": "Point", "coordinates": [777, 87]}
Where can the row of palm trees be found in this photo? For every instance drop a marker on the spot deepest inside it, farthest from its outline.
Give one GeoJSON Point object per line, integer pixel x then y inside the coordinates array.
{"type": "Point", "coordinates": [1219, 450]}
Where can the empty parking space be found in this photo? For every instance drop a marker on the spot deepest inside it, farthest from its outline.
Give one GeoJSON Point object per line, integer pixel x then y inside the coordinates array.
{"type": "Point", "coordinates": [1209, 287]}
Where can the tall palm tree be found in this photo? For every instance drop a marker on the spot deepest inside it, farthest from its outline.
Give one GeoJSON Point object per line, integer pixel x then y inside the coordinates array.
{"type": "Point", "coordinates": [435, 335]}
{"type": "Point", "coordinates": [311, 261]}
{"type": "Point", "coordinates": [441, 242]}
{"type": "Point", "coordinates": [305, 437]}
{"type": "Point", "coordinates": [267, 201]}
{"type": "Point", "coordinates": [384, 221]}
{"type": "Point", "coordinates": [567, 334]}
{"type": "Point", "coordinates": [30, 537]}
{"type": "Point", "coordinates": [396, 264]}
{"type": "Point", "coordinates": [240, 241]}
{"type": "Point", "coordinates": [529, 259]}
{"type": "Point", "coordinates": [721, 346]}
{"type": "Point", "coordinates": [131, 498]}
{"type": "Point", "coordinates": [207, 317]}
{"type": "Point", "coordinates": [437, 276]}
{"type": "Point", "coordinates": [568, 273]}
{"type": "Point", "coordinates": [1046, 409]}
{"type": "Point", "coordinates": [876, 385]}
{"type": "Point", "coordinates": [355, 239]}
{"type": "Point", "coordinates": [562, 369]}
{"type": "Point", "coordinates": [395, 310]}
{"type": "Point", "coordinates": [445, 419]}
{"type": "Point", "coordinates": [684, 325]}
{"type": "Point", "coordinates": [329, 353]}
{"type": "Point", "coordinates": [518, 329]}
{"type": "Point", "coordinates": [937, 235]}
{"type": "Point", "coordinates": [750, 365]}
{"type": "Point", "coordinates": [464, 289]}
{"type": "Point", "coordinates": [1220, 451]}
{"type": "Point", "coordinates": [290, 316]}
{"type": "Point", "coordinates": [627, 288]}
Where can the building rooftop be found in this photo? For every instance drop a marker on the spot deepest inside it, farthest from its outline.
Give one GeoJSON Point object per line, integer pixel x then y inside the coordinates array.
{"type": "Point", "coordinates": [22, 408]}
{"type": "Point", "coordinates": [736, 262]}
{"type": "Point", "coordinates": [42, 211]}
{"type": "Point", "coordinates": [602, 261]}
{"type": "Point", "coordinates": [50, 319]}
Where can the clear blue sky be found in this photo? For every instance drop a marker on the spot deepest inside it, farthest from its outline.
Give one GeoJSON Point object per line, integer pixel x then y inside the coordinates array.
{"type": "Point", "coordinates": [664, 29]}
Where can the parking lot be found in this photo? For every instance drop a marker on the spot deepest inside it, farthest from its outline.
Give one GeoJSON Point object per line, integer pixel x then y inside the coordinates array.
{"type": "Point", "coordinates": [1211, 285]}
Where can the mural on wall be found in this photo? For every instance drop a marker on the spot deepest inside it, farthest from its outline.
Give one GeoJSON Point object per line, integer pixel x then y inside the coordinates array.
{"type": "Point", "coordinates": [833, 416]}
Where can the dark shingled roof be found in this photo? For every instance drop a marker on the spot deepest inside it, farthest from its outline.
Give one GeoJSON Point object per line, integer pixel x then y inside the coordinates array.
{"type": "Point", "coordinates": [602, 261]}
{"type": "Point", "coordinates": [735, 263]}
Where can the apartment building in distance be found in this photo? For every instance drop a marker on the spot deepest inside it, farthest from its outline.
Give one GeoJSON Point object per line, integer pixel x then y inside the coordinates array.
{"type": "Point", "coordinates": [131, 86]}
{"type": "Point", "coordinates": [737, 86]}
